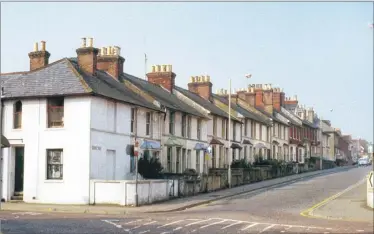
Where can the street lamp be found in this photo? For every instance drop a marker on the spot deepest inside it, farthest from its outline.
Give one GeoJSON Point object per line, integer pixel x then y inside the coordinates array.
{"type": "Point", "coordinates": [230, 149]}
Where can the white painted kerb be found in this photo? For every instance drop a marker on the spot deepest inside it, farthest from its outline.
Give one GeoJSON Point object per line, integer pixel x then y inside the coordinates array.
{"type": "Point", "coordinates": [369, 195]}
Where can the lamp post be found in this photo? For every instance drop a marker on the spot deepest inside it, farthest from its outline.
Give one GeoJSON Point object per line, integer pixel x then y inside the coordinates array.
{"type": "Point", "coordinates": [230, 149]}
{"type": "Point", "coordinates": [1, 150]}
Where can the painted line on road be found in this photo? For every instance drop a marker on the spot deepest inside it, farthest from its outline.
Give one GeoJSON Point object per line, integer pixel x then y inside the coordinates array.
{"type": "Point", "coordinates": [267, 228]}
{"type": "Point", "coordinates": [111, 221]}
{"type": "Point", "coordinates": [307, 212]}
{"type": "Point", "coordinates": [211, 224]}
{"type": "Point", "coordinates": [249, 226]}
{"type": "Point", "coordinates": [230, 225]}
{"type": "Point", "coordinates": [168, 224]}
{"type": "Point", "coordinates": [197, 222]}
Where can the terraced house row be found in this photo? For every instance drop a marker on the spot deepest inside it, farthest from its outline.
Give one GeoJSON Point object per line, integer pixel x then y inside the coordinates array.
{"type": "Point", "coordinates": [77, 119]}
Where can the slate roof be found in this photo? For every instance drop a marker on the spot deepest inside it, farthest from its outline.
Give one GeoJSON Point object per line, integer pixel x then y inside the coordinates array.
{"type": "Point", "coordinates": [290, 119]}
{"type": "Point", "coordinates": [309, 124]}
{"type": "Point", "coordinates": [64, 78]}
{"type": "Point", "coordinates": [202, 102]}
{"type": "Point", "coordinates": [242, 110]}
{"type": "Point", "coordinates": [166, 98]}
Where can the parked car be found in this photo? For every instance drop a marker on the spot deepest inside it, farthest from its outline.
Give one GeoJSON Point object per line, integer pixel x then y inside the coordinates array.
{"type": "Point", "coordinates": [363, 162]}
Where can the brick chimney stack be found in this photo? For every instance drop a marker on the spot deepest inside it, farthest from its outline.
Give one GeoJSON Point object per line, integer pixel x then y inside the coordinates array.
{"type": "Point", "coordinates": [202, 86]}
{"type": "Point", "coordinates": [39, 59]}
{"type": "Point", "coordinates": [311, 114]}
{"type": "Point", "coordinates": [259, 100]}
{"type": "Point", "coordinates": [111, 61]}
{"type": "Point", "coordinates": [162, 75]}
{"type": "Point", "coordinates": [292, 100]}
{"type": "Point", "coordinates": [87, 56]}
{"type": "Point", "coordinates": [268, 98]}
{"type": "Point", "coordinates": [278, 99]}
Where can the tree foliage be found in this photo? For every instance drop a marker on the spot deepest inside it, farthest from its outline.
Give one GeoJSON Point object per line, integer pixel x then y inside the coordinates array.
{"type": "Point", "coordinates": [150, 168]}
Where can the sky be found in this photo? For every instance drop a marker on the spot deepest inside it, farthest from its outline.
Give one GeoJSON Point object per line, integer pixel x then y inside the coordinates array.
{"type": "Point", "coordinates": [321, 52]}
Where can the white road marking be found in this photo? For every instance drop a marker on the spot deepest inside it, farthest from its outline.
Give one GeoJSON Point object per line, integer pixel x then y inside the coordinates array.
{"type": "Point", "coordinates": [177, 228]}
{"type": "Point", "coordinates": [208, 225]}
{"type": "Point", "coordinates": [168, 224]}
{"type": "Point", "coordinates": [201, 221]}
{"type": "Point", "coordinates": [230, 225]}
{"type": "Point", "coordinates": [360, 230]}
{"type": "Point", "coordinates": [111, 221]}
{"type": "Point", "coordinates": [134, 221]}
{"type": "Point", "coordinates": [26, 213]}
{"type": "Point", "coordinates": [249, 226]}
{"type": "Point", "coordinates": [267, 228]}
{"type": "Point", "coordinates": [149, 223]}
{"type": "Point", "coordinates": [144, 232]}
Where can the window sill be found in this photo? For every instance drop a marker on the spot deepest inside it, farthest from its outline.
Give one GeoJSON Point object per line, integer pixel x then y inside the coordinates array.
{"type": "Point", "coordinates": [54, 181]}
{"type": "Point", "coordinates": [55, 129]}
{"type": "Point", "coordinates": [16, 129]}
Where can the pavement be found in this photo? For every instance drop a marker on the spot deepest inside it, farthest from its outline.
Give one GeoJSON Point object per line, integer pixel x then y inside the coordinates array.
{"type": "Point", "coordinates": [168, 206]}
{"type": "Point", "coordinates": [274, 209]}
{"type": "Point", "coordinates": [348, 206]}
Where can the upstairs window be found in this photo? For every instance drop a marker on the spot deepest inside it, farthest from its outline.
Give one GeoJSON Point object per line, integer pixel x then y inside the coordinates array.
{"type": "Point", "coordinates": [233, 131]}
{"type": "Point", "coordinates": [171, 122]}
{"type": "Point", "coordinates": [245, 127]}
{"type": "Point", "coordinates": [55, 112]}
{"type": "Point", "coordinates": [133, 120]}
{"type": "Point", "coordinates": [199, 129]}
{"type": "Point", "coordinates": [223, 128]}
{"type": "Point", "coordinates": [148, 123]}
{"type": "Point", "coordinates": [189, 121]}
{"type": "Point", "coordinates": [17, 115]}
{"type": "Point", "coordinates": [184, 125]}
{"type": "Point", "coordinates": [214, 126]}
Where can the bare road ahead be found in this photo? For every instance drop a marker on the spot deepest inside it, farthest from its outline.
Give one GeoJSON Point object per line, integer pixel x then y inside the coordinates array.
{"type": "Point", "coordinates": [275, 210]}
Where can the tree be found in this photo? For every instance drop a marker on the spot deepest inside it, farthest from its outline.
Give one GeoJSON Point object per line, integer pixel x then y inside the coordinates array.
{"type": "Point", "coordinates": [150, 168]}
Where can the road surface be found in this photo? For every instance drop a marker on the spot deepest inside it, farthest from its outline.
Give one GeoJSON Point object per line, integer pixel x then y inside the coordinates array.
{"type": "Point", "coordinates": [275, 210]}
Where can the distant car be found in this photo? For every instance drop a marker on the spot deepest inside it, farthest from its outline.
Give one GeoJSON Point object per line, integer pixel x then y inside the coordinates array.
{"type": "Point", "coordinates": [363, 162]}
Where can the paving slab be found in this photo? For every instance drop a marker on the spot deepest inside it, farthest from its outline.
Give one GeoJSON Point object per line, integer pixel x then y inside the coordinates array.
{"type": "Point", "coordinates": [168, 206]}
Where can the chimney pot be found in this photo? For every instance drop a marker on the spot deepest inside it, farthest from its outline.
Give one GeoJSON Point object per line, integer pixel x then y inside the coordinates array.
{"type": "Point", "coordinates": [90, 42]}
{"type": "Point", "coordinates": [42, 45]}
{"type": "Point", "coordinates": [84, 42]}
{"type": "Point", "coordinates": [164, 67]}
{"type": "Point", "coordinates": [117, 50]}
{"type": "Point", "coordinates": [36, 47]}
{"type": "Point", "coordinates": [103, 51]}
{"type": "Point", "coordinates": [158, 68]}
{"type": "Point", "coordinates": [208, 78]}
{"type": "Point", "coordinates": [192, 79]}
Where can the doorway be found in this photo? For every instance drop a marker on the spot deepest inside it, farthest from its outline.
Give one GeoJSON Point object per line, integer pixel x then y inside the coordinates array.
{"type": "Point", "coordinates": [19, 169]}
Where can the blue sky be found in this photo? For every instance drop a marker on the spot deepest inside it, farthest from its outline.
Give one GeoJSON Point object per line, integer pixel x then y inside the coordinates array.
{"type": "Point", "coordinates": [322, 52]}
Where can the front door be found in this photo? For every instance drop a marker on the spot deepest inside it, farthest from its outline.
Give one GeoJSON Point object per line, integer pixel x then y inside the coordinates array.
{"type": "Point", "coordinates": [19, 153]}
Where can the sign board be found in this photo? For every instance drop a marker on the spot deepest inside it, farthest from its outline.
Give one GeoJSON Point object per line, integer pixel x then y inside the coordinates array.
{"type": "Point", "coordinates": [371, 179]}
{"type": "Point", "coordinates": [370, 149]}
{"type": "Point", "coordinates": [136, 148]}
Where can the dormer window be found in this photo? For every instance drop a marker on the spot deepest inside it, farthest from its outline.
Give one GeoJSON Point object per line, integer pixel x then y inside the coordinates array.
{"type": "Point", "coordinates": [55, 112]}
{"type": "Point", "coordinates": [17, 115]}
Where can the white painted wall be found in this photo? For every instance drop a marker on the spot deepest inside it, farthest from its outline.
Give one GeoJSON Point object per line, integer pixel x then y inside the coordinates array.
{"type": "Point", "coordinates": [34, 135]}
{"type": "Point", "coordinates": [122, 192]}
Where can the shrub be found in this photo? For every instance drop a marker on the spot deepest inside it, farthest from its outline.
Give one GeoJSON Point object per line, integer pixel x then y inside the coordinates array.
{"type": "Point", "coordinates": [150, 169]}
{"type": "Point", "coordinates": [241, 163]}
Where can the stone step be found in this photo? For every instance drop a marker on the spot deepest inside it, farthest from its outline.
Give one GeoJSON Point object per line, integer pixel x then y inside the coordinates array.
{"type": "Point", "coordinates": [18, 193]}
{"type": "Point", "coordinates": [17, 198]}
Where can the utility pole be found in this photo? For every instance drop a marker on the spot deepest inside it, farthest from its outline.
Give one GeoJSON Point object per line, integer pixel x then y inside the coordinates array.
{"type": "Point", "coordinates": [1, 150]}
{"type": "Point", "coordinates": [229, 129]}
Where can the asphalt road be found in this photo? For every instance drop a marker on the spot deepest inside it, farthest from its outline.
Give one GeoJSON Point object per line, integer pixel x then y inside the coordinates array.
{"type": "Point", "coordinates": [275, 210]}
